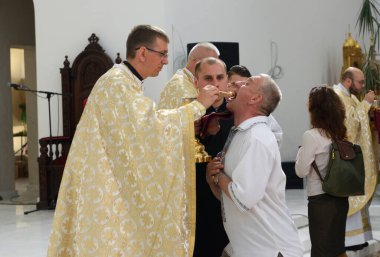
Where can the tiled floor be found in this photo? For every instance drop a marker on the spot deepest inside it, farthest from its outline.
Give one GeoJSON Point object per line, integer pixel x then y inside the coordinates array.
{"type": "Point", "coordinates": [23, 235]}
{"type": "Point", "coordinates": [27, 235]}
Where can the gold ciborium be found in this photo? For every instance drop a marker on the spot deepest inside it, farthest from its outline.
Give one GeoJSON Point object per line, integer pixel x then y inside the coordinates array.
{"type": "Point", "coordinates": [200, 153]}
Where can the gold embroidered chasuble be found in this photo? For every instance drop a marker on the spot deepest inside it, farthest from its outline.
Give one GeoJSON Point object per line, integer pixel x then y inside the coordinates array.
{"type": "Point", "coordinates": [128, 188]}
{"type": "Point", "coordinates": [359, 132]}
{"type": "Point", "coordinates": [180, 85]}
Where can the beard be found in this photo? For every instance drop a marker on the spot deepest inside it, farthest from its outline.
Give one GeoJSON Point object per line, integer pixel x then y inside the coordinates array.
{"type": "Point", "coordinates": [355, 91]}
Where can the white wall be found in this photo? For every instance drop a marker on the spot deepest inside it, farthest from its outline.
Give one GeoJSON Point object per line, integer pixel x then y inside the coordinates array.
{"type": "Point", "coordinates": [63, 28]}
{"type": "Point", "coordinates": [309, 35]}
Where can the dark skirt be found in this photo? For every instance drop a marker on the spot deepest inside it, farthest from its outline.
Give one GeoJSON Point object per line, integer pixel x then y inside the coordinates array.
{"type": "Point", "coordinates": [327, 224]}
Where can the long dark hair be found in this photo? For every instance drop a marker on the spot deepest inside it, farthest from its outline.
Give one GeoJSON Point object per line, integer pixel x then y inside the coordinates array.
{"type": "Point", "coordinates": [327, 112]}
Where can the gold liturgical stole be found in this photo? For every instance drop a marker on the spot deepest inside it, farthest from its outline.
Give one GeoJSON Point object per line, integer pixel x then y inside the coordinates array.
{"type": "Point", "coordinates": [180, 86]}
{"type": "Point", "coordinates": [359, 132]}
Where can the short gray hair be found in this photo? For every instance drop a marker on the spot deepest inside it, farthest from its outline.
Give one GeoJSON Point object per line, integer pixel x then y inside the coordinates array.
{"type": "Point", "coordinates": [272, 95]}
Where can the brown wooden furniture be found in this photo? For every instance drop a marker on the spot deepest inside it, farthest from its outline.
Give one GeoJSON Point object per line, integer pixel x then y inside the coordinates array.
{"type": "Point", "coordinates": [77, 83]}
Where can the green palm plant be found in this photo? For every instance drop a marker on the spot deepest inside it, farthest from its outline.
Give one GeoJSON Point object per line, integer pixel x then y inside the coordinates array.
{"type": "Point", "coordinates": [368, 23]}
{"type": "Point", "coordinates": [367, 20]}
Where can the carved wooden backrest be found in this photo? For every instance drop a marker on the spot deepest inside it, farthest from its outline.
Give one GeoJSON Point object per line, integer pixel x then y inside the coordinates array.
{"type": "Point", "coordinates": [78, 81]}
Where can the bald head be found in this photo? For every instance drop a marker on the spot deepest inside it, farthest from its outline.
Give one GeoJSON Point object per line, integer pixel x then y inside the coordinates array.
{"type": "Point", "coordinates": [351, 73]}
{"type": "Point", "coordinates": [353, 79]}
{"type": "Point", "coordinates": [199, 52]}
{"type": "Point", "coordinates": [203, 50]}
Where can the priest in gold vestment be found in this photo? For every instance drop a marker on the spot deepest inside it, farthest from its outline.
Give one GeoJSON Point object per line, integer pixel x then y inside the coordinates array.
{"type": "Point", "coordinates": [358, 226]}
{"type": "Point", "coordinates": [128, 187]}
{"type": "Point", "coordinates": [181, 85]}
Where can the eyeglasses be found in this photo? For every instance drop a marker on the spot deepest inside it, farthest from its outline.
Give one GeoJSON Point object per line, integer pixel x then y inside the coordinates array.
{"type": "Point", "coordinates": [361, 82]}
{"type": "Point", "coordinates": [162, 54]}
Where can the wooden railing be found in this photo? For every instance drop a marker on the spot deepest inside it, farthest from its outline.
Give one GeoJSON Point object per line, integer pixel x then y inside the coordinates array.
{"type": "Point", "coordinates": [53, 154]}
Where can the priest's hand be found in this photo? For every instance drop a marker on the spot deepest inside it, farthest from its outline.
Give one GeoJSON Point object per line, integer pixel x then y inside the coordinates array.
{"type": "Point", "coordinates": [370, 96]}
{"type": "Point", "coordinates": [208, 95]}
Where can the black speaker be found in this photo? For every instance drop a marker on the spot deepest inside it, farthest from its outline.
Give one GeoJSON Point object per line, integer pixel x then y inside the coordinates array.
{"type": "Point", "coordinates": [229, 52]}
{"type": "Point", "coordinates": [292, 180]}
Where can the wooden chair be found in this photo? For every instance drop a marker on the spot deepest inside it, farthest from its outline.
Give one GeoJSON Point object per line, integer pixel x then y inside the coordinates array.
{"type": "Point", "coordinates": [77, 83]}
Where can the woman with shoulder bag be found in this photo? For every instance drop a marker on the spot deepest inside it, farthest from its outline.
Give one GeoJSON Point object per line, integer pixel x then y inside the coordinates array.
{"type": "Point", "coordinates": [327, 214]}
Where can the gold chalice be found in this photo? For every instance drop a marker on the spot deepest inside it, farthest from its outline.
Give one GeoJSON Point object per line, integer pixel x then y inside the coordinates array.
{"type": "Point", "coordinates": [200, 153]}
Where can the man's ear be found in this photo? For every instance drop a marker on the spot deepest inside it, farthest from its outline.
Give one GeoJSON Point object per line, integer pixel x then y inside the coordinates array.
{"type": "Point", "coordinates": [348, 82]}
{"type": "Point", "coordinates": [141, 53]}
{"type": "Point", "coordinates": [196, 83]}
{"type": "Point", "coordinates": [256, 98]}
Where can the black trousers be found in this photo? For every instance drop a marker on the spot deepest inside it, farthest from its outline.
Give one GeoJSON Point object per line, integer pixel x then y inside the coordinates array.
{"type": "Point", "coordinates": [210, 237]}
